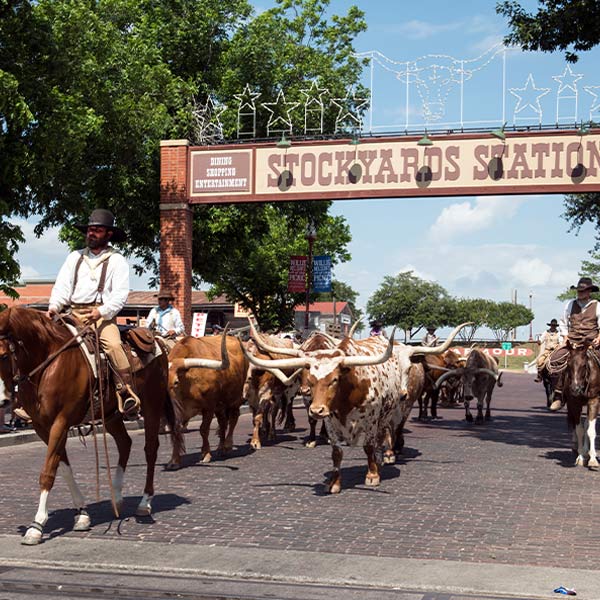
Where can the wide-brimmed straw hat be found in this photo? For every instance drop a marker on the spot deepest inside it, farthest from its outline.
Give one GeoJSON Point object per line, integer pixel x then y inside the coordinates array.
{"type": "Point", "coordinates": [553, 322]}
{"type": "Point", "coordinates": [101, 217]}
{"type": "Point", "coordinates": [585, 283]}
{"type": "Point", "coordinates": [166, 294]}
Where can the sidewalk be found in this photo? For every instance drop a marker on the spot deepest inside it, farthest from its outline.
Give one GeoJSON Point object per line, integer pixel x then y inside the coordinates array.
{"type": "Point", "coordinates": [185, 560]}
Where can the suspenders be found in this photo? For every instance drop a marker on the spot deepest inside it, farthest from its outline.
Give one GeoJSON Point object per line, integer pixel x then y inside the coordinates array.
{"type": "Point", "coordinates": [101, 283]}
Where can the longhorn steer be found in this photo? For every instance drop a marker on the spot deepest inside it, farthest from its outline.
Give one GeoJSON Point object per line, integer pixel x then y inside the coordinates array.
{"type": "Point", "coordinates": [357, 388]}
{"type": "Point", "coordinates": [201, 382]}
{"type": "Point", "coordinates": [479, 376]}
{"type": "Point", "coordinates": [435, 366]}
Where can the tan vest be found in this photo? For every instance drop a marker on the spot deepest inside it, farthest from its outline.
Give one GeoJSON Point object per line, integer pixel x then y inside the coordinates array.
{"type": "Point", "coordinates": [583, 324]}
{"type": "Point", "coordinates": [551, 340]}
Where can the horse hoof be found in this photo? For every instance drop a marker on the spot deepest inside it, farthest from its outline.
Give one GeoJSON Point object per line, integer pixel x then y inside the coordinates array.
{"type": "Point", "coordinates": [372, 480]}
{"type": "Point", "coordinates": [143, 511]}
{"type": "Point", "coordinates": [82, 523]}
{"type": "Point", "coordinates": [207, 458]}
{"type": "Point", "coordinates": [389, 459]}
{"type": "Point", "coordinates": [172, 466]}
{"type": "Point", "coordinates": [335, 487]}
{"type": "Point", "coordinates": [580, 461]}
{"type": "Point", "coordinates": [255, 445]}
{"type": "Point", "coordinates": [32, 537]}
{"type": "Point", "coordinates": [311, 444]}
{"type": "Point", "coordinates": [593, 464]}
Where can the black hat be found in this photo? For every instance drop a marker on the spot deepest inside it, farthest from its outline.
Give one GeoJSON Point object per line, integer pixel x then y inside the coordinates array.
{"type": "Point", "coordinates": [552, 322]}
{"type": "Point", "coordinates": [166, 294]}
{"type": "Point", "coordinates": [430, 328]}
{"type": "Point", "coordinates": [585, 283]}
{"type": "Point", "coordinates": [101, 217]}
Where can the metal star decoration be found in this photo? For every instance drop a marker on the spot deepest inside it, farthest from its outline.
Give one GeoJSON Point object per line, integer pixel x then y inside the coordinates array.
{"type": "Point", "coordinates": [567, 81]}
{"type": "Point", "coordinates": [280, 114]}
{"type": "Point", "coordinates": [246, 112]}
{"type": "Point", "coordinates": [349, 114]}
{"type": "Point", "coordinates": [314, 108]}
{"type": "Point", "coordinates": [593, 90]}
{"type": "Point", "coordinates": [529, 98]}
{"type": "Point", "coordinates": [207, 126]}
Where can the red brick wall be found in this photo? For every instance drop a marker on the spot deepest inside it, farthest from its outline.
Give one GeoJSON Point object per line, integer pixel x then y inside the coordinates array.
{"type": "Point", "coordinates": [176, 227]}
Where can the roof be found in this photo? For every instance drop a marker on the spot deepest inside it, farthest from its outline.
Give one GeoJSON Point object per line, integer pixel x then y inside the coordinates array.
{"type": "Point", "coordinates": [38, 293]}
{"type": "Point", "coordinates": [325, 308]}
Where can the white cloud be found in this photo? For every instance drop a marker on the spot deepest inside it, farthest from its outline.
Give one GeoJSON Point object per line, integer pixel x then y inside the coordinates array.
{"type": "Point", "coordinates": [465, 217]}
{"type": "Point", "coordinates": [420, 30]}
{"type": "Point", "coordinates": [531, 271]}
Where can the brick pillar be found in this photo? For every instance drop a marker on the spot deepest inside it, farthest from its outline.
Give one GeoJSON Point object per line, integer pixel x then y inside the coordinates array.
{"type": "Point", "coordinates": [176, 226]}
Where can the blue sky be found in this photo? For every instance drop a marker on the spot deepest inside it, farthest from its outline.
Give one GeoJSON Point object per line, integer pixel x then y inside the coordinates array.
{"type": "Point", "coordinates": [473, 246]}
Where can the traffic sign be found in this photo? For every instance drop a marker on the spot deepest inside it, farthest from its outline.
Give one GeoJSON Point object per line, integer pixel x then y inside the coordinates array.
{"type": "Point", "coordinates": [506, 345]}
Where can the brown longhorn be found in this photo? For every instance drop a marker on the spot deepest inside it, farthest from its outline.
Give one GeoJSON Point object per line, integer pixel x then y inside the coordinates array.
{"type": "Point", "coordinates": [205, 363]}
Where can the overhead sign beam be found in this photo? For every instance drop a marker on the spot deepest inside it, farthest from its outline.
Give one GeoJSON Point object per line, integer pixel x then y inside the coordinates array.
{"type": "Point", "coordinates": [454, 165]}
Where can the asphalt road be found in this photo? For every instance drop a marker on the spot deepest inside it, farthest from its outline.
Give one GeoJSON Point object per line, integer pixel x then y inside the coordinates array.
{"type": "Point", "coordinates": [470, 511]}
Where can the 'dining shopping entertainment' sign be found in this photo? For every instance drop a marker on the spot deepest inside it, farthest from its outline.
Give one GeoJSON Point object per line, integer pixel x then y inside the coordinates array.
{"type": "Point", "coordinates": [297, 274]}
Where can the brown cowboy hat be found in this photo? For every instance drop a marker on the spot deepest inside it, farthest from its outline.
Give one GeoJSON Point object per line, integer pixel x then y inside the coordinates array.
{"type": "Point", "coordinates": [101, 217]}
{"type": "Point", "coordinates": [166, 294]}
{"type": "Point", "coordinates": [552, 322]}
{"type": "Point", "coordinates": [585, 283]}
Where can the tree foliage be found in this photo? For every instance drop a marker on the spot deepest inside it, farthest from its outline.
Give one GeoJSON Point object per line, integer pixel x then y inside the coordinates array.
{"type": "Point", "coordinates": [410, 303]}
{"type": "Point", "coordinates": [503, 317]}
{"type": "Point", "coordinates": [88, 90]}
{"type": "Point", "coordinates": [470, 310]}
{"type": "Point", "coordinates": [343, 292]}
{"type": "Point", "coordinates": [569, 25]}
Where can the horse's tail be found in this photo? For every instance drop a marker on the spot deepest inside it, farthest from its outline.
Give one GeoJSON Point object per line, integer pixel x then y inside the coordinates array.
{"type": "Point", "coordinates": [174, 417]}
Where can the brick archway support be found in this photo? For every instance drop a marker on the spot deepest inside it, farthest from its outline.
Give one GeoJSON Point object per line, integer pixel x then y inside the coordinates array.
{"type": "Point", "coordinates": [176, 226]}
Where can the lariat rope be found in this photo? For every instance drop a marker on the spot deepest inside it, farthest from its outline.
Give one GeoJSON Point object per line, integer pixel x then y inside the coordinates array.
{"type": "Point", "coordinates": [558, 365]}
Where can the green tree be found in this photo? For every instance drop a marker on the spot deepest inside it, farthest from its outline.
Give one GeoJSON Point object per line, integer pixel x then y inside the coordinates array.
{"type": "Point", "coordinates": [470, 310]}
{"type": "Point", "coordinates": [90, 88]}
{"type": "Point", "coordinates": [589, 268]}
{"type": "Point", "coordinates": [568, 25]}
{"type": "Point", "coordinates": [503, 317]}
{"type": "Point", "coordinates": [411, 303]}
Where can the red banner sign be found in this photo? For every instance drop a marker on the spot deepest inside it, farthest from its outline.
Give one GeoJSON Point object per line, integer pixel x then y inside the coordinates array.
{"type": "Point", "coordinates": [496, 351]}
{"type": "Point", "coordinates": [297, 276]}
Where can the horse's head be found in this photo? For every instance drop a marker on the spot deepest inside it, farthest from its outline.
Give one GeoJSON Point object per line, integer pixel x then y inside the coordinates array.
{"type": "Point", "coordinates": [579, 368]}
{"type": "Point", "coordinates": [6, 361]}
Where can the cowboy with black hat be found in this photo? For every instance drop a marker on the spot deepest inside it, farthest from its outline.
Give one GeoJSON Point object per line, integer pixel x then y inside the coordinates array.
{"type": "Point", "coordinates": [549, 341]}
{"type": "Point", "coordinates": [94, 284]}
{"type": "Point", "coordinates": [165, 318]}
{"type": "Point", "coordinates": [430, 339]}
{"type": "Point", "coordinates": [580, 324]}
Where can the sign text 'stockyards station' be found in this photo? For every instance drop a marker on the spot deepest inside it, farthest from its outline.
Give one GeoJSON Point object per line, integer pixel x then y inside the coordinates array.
{"type": "Point", "coordinates": [541, 162]}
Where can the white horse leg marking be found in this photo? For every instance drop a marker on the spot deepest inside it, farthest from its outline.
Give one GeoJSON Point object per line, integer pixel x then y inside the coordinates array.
{"type": "Point", "coordinates": [82, 520]}
{"type": "Point", "coordinates": [144, 508]}
{"type": "Point", "coordinates": [33, 535]}
{"type": "Point", "coordinates": [591, 437]}
{"type": "Point", "coordinates": [118, 487]}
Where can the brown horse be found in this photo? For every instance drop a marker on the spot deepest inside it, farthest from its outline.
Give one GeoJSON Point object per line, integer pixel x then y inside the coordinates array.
{"type": "Point", "coordinates": [581, 387]}
{"type": "Point", "coordinates": [57, 397]}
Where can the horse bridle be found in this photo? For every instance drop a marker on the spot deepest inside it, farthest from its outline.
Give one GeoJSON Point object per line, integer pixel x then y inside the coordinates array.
{"type": "Point", "coordinates": [14, 366]}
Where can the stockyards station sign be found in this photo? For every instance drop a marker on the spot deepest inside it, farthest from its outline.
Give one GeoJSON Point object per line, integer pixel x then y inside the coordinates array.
{"type": "Point", "coordinates": [544, 162]}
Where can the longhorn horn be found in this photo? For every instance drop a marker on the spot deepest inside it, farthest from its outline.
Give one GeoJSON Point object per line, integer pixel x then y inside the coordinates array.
{"type": "Point", "coordinates": [256, 336]}
{"type": "Point", "coordinates": [365, 361]}
{"type": "Point", "coordinates": [205, 363]}
{"type": "Point", "coordinates": [353, 328]}
{"type": "Point", "coordinates": [276, 363]}
{"type": "Point", "coordinates": [283, 377]}
{"type": "Point", "coordinates": [442, 378]}
{"type": "Point", "coordinates": [438, 349]}
{"type": "Point", "coordinates": [489, 372]}
{"type": "Point", "coordinates": [498, 382]}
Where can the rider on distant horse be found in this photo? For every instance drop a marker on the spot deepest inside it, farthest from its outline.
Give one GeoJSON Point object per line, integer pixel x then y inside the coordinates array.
{"type": "Point", "coordinates": [94, 283]}
{"type": "Point", "coordinates": [549, 341]}
{"type": "Point", "coordinates": [580, 323]}
{"type": "Point", "coordinates": [165, 319]}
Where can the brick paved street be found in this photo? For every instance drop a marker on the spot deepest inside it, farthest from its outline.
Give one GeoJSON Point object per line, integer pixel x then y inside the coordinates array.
{"type": "Point", "coordinates": [504, 492]}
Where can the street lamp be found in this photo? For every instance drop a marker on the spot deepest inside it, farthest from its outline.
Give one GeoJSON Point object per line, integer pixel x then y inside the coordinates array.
{"type": "Point", "coordinates": [530, 322]}
{"type": "Point", "coordinates": [311, 236]}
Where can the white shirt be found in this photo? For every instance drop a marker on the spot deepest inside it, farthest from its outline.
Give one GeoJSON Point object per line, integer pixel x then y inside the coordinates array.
{"type": "Point", "coordinates": [116, 284]}
{"type": "Point", "coordinates": [544, 338]}
{"type": "Point", "coordinates": [565, 321]}
{"type": "Point", "coordinates": [170, 321]}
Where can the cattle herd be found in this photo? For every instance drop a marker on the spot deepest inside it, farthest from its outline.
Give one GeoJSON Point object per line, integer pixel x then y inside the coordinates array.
{"type": "Point", "coordinates": [362, 391]}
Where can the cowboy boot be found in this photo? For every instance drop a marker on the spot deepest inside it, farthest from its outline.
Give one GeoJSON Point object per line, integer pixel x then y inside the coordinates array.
{"type": "Point", "coordinates": [129, 403]}
{"type": "Point", "coordinates": [558, 401]}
